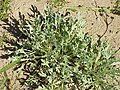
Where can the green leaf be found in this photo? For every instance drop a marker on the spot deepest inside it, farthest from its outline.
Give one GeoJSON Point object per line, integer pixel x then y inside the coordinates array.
{"type": "Point", "coordinates": [9, 65]}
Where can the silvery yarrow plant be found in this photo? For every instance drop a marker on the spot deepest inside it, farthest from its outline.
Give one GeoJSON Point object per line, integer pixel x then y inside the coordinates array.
{"type": "Point", "coordinates": [57, 55]}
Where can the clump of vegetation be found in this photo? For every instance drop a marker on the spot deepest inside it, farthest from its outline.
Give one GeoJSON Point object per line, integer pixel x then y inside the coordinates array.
{"type": "Point", "coordinates": [56, 54]}
{"type": "Point", "coordinates": [57, 3]}
{"type": "Point", "coordinates": [4, 7]}
{"type": "Point", "coordinates": [116, 8]}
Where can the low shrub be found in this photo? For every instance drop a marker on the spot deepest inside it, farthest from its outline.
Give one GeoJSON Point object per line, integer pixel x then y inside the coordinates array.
{"type": "Point", "coordinates": [56, 54]}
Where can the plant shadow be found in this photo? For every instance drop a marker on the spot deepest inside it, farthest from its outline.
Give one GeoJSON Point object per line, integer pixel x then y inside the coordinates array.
{"type": "Point", "coordinates": [14, 26]}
